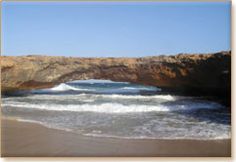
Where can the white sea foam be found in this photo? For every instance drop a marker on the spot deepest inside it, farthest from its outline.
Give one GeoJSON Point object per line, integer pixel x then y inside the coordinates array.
{"type": "Point", "coordinates": [102, 108]}
{"type": "Point", "coordinates": [164, 97]}
{"type": "Point", "coordinates": [109, 112]}
{"type": "Point", "coordinates": [145, 131]}
{"type": "Point", "coordinates": [84, 96]}
{"type": "Point", "coordinates": [65, 87]}
{"type": "Point", "coordinates": [202, 135]}
{"type": "Point", "coordinates": [113, 107]}
{"type": "Point", "coordinates": [171, 137]}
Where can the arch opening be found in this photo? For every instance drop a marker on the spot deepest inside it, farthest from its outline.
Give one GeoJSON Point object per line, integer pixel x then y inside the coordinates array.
{"type": "Point", "coordinates": [99, 86]}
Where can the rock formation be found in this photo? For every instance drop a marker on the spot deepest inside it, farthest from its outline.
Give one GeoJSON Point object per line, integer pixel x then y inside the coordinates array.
{"type": "Point", "coordinates": [188, 73]}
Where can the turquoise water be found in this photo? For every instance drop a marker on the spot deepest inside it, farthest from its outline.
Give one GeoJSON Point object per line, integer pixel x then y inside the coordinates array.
{"type": "Point", "coordinates": [119, 109]}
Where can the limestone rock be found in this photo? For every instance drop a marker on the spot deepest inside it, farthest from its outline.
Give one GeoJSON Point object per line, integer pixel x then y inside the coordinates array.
{"type": "Point", "coordinates": [190, 73]}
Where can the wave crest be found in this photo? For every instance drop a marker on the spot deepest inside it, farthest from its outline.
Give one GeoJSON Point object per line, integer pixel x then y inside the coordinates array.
{"type": "Point", "coordinates": [115, 107]}
{"type": "Point", "coordinates": [65, 87]}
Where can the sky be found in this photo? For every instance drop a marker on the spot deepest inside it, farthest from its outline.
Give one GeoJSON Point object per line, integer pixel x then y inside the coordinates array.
{"type": "Point", "coordinates": [115, 29]}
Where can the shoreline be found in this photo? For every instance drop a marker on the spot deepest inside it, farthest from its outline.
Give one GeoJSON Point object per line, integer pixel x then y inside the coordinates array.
{"type": "Point", "coordinates": [20, 139]}
{"type": "Point", "coordinates": [105, 137]}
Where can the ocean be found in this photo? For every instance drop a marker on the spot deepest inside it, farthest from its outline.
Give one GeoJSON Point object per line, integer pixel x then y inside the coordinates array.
{"type": "Point", "coordinates": [104, 108]}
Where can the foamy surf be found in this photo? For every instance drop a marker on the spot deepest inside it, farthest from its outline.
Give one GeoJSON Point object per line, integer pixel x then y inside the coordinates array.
{"type": "Point", "coordinates": [99, 87]}
{"type": "Point", "coordinates": [84, 97]}
{"type": "Point", "coordinates": [185, 134]}
{"type": "Point", "coordinates": [188, 137]}
{"type": "Point", "coordinates": [120, 110]}
{"type": "Point", "coordinates": [65, 87]}
{"type": "Point", "coordinates": [142, 88]}
{"type": "Point", "coordinates": [115, 107]}
{"type": "Point", "coordinates": [117, 90]}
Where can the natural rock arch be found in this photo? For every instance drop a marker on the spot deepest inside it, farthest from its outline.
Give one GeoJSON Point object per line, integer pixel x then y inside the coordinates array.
{"type": "Point", "coordinates": [204, 73]}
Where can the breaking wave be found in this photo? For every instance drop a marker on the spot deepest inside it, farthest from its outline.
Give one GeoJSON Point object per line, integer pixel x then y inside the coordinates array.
{"type": "Point", "coordinates": [115, 107]}
{"type": "Point", "coordinates": [65, 87]}
{"type": "Point", "coordinates": [97, 87]}
{"type": "Point", "coordinates": [120, 110]}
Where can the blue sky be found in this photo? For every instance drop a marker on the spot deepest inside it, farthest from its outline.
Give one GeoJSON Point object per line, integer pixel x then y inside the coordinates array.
{"type": "Point", "coordinates": [114, 29]}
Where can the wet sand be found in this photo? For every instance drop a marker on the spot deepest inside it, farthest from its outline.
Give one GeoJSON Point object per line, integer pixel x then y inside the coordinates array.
{"type": "Point", "coordinates": [28, 139]}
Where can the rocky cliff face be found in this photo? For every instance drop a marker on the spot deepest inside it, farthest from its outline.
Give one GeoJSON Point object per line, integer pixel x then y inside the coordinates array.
{"type": "Point", "coordinates": [188, 73]}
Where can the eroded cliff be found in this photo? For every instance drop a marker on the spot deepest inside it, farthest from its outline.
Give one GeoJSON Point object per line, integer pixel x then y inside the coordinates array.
{"type": "Point", "coordinates": [188, 73]}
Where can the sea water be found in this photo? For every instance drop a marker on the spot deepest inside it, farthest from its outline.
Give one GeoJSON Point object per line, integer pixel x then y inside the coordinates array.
{"type": "Point", "coordinates": [103, 108]}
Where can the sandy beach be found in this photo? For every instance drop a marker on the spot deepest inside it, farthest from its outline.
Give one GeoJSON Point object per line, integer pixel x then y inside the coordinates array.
{"type": "Point", "coordinates": [104, 79]}
{"type": "Point", "coordinates": [21, 139]}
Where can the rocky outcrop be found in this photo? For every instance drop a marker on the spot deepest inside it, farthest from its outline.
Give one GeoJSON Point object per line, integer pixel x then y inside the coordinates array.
{"type": "Point", "coordinates": [188, 73]}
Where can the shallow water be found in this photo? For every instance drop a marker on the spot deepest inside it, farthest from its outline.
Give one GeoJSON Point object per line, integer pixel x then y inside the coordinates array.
{"type": "Point", "coordinates": [120, 109]}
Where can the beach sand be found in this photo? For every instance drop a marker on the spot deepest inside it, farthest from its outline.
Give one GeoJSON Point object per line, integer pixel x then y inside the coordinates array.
{"type": "Point", "coordinates": [29, 139]}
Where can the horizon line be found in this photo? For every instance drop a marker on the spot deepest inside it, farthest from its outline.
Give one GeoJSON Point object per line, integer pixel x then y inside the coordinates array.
{"type": "Point", "coordinates": [182, 53]}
